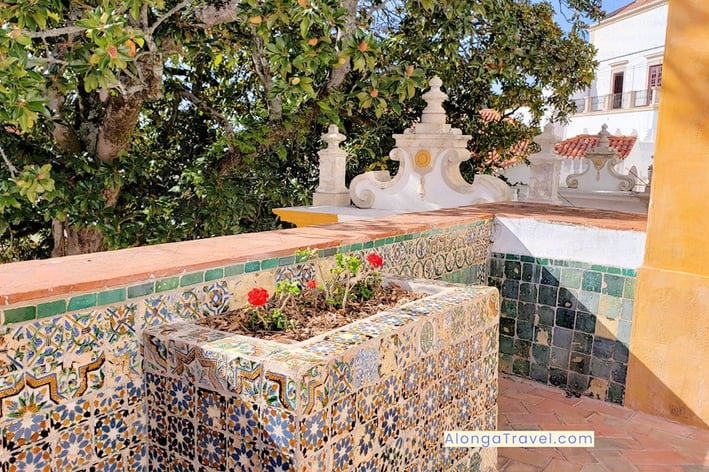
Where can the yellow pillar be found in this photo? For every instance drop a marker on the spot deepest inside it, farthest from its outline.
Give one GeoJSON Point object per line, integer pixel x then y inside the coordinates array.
{"type": "Point", "coordinates": [667, 371]}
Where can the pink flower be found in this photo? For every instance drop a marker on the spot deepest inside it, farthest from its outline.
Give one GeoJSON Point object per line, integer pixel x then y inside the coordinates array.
{"type": "Point", "coordinates": [311, 284]}
{"type": "Point", "coordinates": [375, 260]}
{"type": "Point", "coordinates": [258, 296]}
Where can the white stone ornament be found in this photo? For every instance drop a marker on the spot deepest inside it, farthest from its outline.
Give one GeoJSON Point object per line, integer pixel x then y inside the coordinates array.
{"type": "Point", "coordinates": [544, 169]}
{"type": "Point", "coordinates": [331, 189]}
{"type": "Point", "coordinates": [429, 156]}
{"type": "Point", "coordinates": [599, 169]}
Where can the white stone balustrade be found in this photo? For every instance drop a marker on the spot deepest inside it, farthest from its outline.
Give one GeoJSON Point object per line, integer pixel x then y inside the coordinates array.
{"type": "Point", "coordinates": [544, 169]}
{"type": "Point", "coordinates": [332, 190]}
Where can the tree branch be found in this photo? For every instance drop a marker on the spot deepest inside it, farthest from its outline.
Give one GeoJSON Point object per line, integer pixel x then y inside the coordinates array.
{"type": "Point", "coordinates": [10, 167]}
{"type": "Point", "coordinates": [218, 117]}
{"type": "Point", "coordinates": [52, 33]}
{"type": "Point", "coordinates": [210, 15]}
{"type": "Point", "coordinates": [172, 11]}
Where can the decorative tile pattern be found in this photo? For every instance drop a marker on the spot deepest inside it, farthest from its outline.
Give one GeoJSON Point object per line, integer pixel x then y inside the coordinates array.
{"type": "Point", "coordinates": [562, 322]}
{"type": "Point", "coordinates": [79, 366]}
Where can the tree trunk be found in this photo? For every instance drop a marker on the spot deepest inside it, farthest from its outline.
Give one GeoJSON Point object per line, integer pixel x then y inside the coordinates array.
{"type": "Point", "coordinates": [70, 240]}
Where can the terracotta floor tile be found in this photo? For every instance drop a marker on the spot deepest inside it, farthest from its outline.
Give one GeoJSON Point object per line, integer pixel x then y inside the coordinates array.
{"type": "Point", "coordinates": [538, 457]}
{"type": "Point", "coordinates": [626, 441]}
{"type": "Point", "coordinates": [520, 467]}
{"type": "Point", "coordinates": [557, 465]}
{"type": "Point", "coordinates": [645, 457]}
{"type": "Point", "coordinates": [613, 461]}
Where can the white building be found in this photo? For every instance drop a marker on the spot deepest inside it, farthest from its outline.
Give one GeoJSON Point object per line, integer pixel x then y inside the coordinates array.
{"type": "Point", "coordinates": [626, 91]}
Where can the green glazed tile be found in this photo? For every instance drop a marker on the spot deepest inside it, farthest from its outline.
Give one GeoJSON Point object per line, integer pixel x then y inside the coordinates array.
{"type": "Point", "coordinates": [629, 287]}
{"type": "Point", "coordinates": [269, 263]}
{"type": "Point", "coordinates": [170, 283]}
{"type": "Point", "coordinates": [379, 243]}
{"type": "Point", "coordinates": [542, 261]}
{"type": "Point", "coordinates": [141, 290]}
{"type": "Point", "coordinates": [343, 249]}
{"type": "Point", "coordinates": [571, 278]}
{"type": "Point", "coordinates": [630, 272]}
{"type": "Point", "coordinates": [613, 285]}
{"type": "Point", "coordinates": [389, 240]}
{"type": "Point", "coordinates": [213, 274]}
{"type": "Point", "coordinates": [368, 245]}
{"type": "Point", "coordinates": [252, 266]}
{"type": "Point", "coordinates": [82, 301]}
{"type": "Point", "coordinates": [112, 296]}
{"type": "Point", "coordinates": [232, 270]}
{"type": "Point", "coordinates": [592, 281]}
{"type": "Point", "coordinates": [356, 247]}
{"type": "Point", "coordinates": [17, 315]}
{"type": "Point", "coordinates": [50, 309]}
{"type": "Point", "coordinates": [331, 251]}
{"type": "Point", "coordinates": [191, 279]}
{"type": "Point", "coordinates": [599, 268]}
{"type": "Point", "coordinates": [527, 258]}
{"type": "Point", "coordinates": [286, 261]}
{"type": "Point", "coordinates": [614, 270]}
{"type": "Point", "coordinates": [512, 257]}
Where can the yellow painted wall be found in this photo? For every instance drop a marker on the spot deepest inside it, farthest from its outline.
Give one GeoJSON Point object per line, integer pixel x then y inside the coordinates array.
{"type": "Point", "coordinates": [670, 335]}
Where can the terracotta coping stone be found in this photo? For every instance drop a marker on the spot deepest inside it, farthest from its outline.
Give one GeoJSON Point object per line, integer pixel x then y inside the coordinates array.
{"type": "Point", "coordinates": [55, 278]}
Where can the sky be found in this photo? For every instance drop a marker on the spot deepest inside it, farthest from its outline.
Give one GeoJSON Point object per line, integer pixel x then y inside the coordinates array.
{"type": "Point", "coordinates": [607, 5]}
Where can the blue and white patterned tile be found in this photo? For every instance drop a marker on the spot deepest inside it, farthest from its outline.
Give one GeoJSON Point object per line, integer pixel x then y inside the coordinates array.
{"type": "Point", "coordinates": [343, 414]}
{"type": "Point", "coordinates": [70, 414]}
{"type": "Point", "coordinates": [276, 461]}
{"type": "Point", "coordinates": [279, 429]}
{"type": "Point", "coordinates": [136, 458]}
{"type": "Point", "coordinates": [211, 409]}
{"type": "Point", "coordinates": [190, 304]}
{"type": "Point", "coordinates": [243, 456]}
{"type": "Point", "coordinates": [181, 435]}
{"type": "Point", "coordinates": [157, 426]}
{"type": "Point", "coordinates": [180, 396]}
{"type": "Point", "coordinates": [112, 463]}
{"type": "Point", "coordinates": [365, 366]}
{"type": "Point", "coordinates": [314, 432]}
{"type": "Point", "coordinates": [157, 458]}
{"type": "Point", "coordinates": [211, 448]}
{"type": "Point", "coordinates": [73, 448]}
{"type": "Point", "coordinates": [159, 309]}
{"type": "Point", "coordinates": [242, 419]}
{"type": "Point", "coordinates": [343, 454]}
{"type": "Point", "coordinates": [366, 441]}
{"type": "Point", "coordinates": [110, 433]}
{"type": "Point", "coordinates": [245, 377]}
{"type": "Point", "coordinates": [35, 458]}
{"type": "Point", "coordinates": [24, 427]}
{"type": "Point", "coordinates": [216, 298]}
{"type": "Point", "coordinates": [42, 342]}
{"type": "Point", "coordinates": [389, 389]}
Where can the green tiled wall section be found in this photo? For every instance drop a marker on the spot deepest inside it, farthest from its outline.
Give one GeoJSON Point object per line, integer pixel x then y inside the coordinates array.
{"type": "Point", "coordinates": [565, 323]}
{"type": "Point", "coordinates": [71, 369]}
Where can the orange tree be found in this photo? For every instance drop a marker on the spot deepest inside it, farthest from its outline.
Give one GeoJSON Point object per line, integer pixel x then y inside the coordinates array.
{"type": "Point", "coordinates": [130, 122]}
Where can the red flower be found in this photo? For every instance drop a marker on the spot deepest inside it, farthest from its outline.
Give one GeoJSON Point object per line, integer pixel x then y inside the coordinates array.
{"type": "Point", "coordinates": [258, 296]}
{"type": "Point", "coordinates": [311, 284]}
{"type": "Point", "coordinates": [375, 260]}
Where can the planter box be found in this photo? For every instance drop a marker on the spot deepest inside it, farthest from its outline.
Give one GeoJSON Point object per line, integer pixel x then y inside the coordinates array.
{"type": "Point", "coordinates": [375, 395]}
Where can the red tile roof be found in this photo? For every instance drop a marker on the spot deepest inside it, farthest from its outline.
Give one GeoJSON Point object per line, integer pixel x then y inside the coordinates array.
{"type": "Point", "coordinates": [577, 146]}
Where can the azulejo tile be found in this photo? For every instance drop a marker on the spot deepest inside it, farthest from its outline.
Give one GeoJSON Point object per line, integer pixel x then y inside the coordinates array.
{"type": "Point", "coordinates": [211, 448]}
{"type": "Point", "coordinates": [313, 390]}
{"type": "Point", "coordinates": [136, 458]}
{"type": "Point", "coordinates": [181, 435]}
{"type": "Point", "coordinates": [110, 433]}
{"type": "Point", "coordinates": [37, 457]}
{"type": "Point", "coordinates": [244, 376]}
{"type": "Point", "coordinates": [343, 454]}
{"type": "Point", "coordinates": [242, 419]}
{"type": "Point", "coordinates": [73, 448]}
{"type": "Point", "coordinates": [25, 428]}
{"type": "Point", "coordinates": [157, 426]}
{"type": "Point", "coordinates": [366, 441]}
{"type": "Point", "coordinates": [243, 456]}
{"type": "Point", "coordinates": [344, 414]}
{"type": "Point", "coordinates": [365, 366]}
{"type": "Point", "coordinates": [157, 458]}
{"type": "Point", "coordinates": [180, 396]}
{"type": "Point", "coordinates": [278, 429]}
{"type": "Point", "coordinates": [314, 431]}
{"type": "Point", "coordinates": [211, 409]}
{"type": "Point", "coordinates": [280, 390]}
{"type": "Point", "coordinates": [276, 461]}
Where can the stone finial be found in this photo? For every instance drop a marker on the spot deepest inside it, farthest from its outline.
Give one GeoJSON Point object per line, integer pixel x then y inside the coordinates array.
{"type": "Point", "coordinates": [331, 189]}
{"type": "Point", "coordinates": [333, 137]}
{"type": "Point", "coordinates": [604, 145]}
{"type": "Point", "coordinates": [547, 140]}
{"type": "Point", "coordinates": [434, 112]}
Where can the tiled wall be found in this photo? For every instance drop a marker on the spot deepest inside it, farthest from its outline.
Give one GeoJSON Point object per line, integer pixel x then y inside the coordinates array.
{"type": "Point", "coordinates": [71, 375]}
{"type": "Point", "coordinates": [375, 395]}
{"type": "Point", "coordinates": [565, 323]}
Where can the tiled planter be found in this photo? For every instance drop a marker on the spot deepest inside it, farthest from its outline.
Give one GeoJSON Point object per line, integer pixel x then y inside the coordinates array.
{"type": "Point", "coordinates": [375, 395]}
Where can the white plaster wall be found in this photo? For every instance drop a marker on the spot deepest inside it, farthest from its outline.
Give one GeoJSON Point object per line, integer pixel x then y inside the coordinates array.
{"type": "Point", "coordinates": [538, 238]}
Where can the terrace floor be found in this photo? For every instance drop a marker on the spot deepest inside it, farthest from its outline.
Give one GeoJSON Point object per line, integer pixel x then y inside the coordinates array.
{"type": "Point", "coordinates": [625, 440]}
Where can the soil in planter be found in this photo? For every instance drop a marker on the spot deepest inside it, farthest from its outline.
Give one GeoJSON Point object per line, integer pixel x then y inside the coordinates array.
{"type": "Point", "coordinates": [311, 315]}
